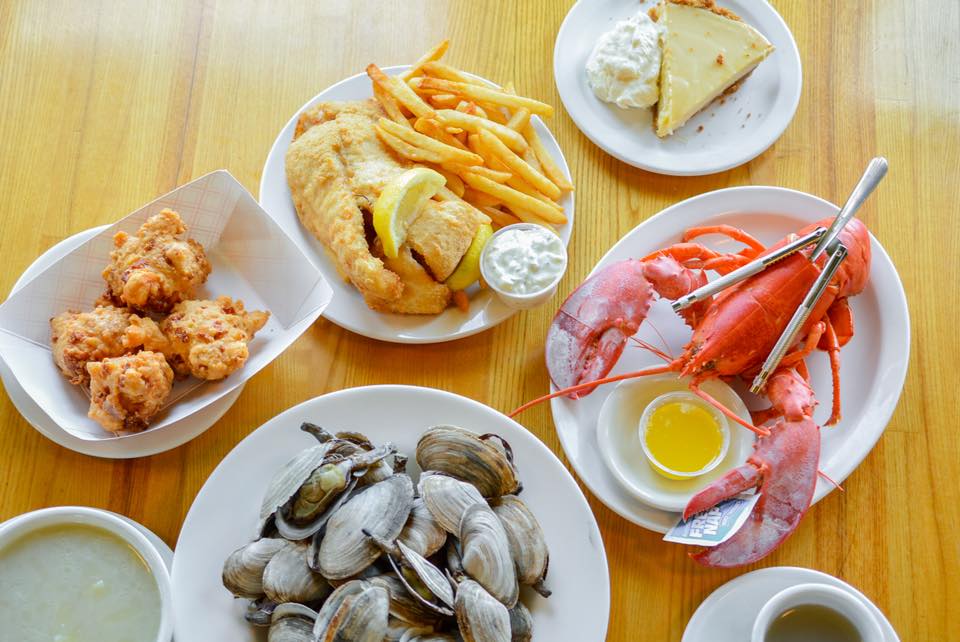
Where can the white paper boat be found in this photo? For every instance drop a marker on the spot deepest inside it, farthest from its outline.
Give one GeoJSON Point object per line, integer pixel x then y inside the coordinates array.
{"type": "Point", "coordinates": [252, 259]}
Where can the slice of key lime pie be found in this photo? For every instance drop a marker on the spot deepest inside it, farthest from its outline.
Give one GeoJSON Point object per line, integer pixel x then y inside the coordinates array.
{"type": "Point", "coordinates": [706, 51]}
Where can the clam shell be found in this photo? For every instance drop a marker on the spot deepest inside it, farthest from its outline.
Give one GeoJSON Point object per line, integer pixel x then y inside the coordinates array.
{"type": "Point", "coordinates": [468, 457]}
{"type": "Point", "coordinates": [486, 553]}
{"type": "Point", "coordinates": [243, 569]}
{"type": "Point", "coordinates": [360, 616]}
{"type": "Point", "coordinates": [527, 542]}
{"type": "Point", "coordinates": [447, 498]}
{"type": "Point", "coordinates": [292, 623]}
{"type": "Point", "coordinates": [521, 624]}
{"type": "Point", "coordinates": [287, 578]}
{"type": "Point", "coordinates": [288, 479]}
{"type": "Point", "coordinates": [422, 532]}
{"type": "Point", "coordinates": [381, 509]}
{"type": "Point", "coordinates": [481, 617]}
{"type": "Point", "coordinates": [404, 605]}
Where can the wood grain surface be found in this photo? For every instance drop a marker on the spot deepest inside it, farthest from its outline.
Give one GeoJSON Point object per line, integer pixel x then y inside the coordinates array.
{"type": "Point", "coordinates": [105, 105]}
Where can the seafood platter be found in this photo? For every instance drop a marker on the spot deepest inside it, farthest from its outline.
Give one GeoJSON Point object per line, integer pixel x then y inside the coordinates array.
{"type": "Point", "coordinates": [727, 364]}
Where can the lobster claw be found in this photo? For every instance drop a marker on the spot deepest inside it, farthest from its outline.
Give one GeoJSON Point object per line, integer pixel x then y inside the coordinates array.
{"type": "Point", "coordinates": [593, 325]}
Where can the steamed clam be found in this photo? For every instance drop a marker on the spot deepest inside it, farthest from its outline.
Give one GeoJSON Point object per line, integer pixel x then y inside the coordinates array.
{"type": "Point", "coordinates": [527, 542]}
{"type": "Point", "coordinates": [351, 550]}
{"type": "Point", "coordinates": [486, 555]}
{"type": "Point", "coordinates": [381, 509]}
{"type": "Point", "coordinates": [470, 458]}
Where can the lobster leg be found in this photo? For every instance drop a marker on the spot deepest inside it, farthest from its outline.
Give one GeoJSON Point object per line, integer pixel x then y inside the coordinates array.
{"type": "Point", "coordinates": [833, 347]}
{"type": "Point", "coordinates": [755, 246]}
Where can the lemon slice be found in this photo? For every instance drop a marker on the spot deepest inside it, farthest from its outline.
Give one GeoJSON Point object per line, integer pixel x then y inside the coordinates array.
{"type": "Point", "coordinates": [400, 202]}
{"type": "Point", "coordinates": [468, 269]}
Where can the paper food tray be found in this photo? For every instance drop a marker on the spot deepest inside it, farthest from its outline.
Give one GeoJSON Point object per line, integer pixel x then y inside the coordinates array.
{"type": "Point", "coordinates": [252, 260]}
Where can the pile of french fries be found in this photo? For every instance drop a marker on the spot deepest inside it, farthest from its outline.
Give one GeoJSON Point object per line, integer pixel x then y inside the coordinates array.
{"type": "Point", "coordinates": [479, 136]}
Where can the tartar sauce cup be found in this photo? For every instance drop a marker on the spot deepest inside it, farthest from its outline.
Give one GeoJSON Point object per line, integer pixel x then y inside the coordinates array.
{"type": "Point", "coordinates": [522, 298]}
{"type": "Point", "coordinates": [23, 525]}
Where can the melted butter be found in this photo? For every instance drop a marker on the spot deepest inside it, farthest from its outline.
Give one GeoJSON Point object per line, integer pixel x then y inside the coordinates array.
{"type": "Point", "coordinates": [683, 436]}
{"type": "Point", "coordinates": [76, 583]}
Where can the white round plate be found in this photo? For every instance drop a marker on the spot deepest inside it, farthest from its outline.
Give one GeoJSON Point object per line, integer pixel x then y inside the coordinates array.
{"type": "Point", "coordinates": [347, 309]}
{"type": "Point", "coordinates": [740, 129]}
{"type": "Point", "coordinates": [728, 613]}
{"type": "Point", "coordinates": [224, 514]}
{"type": "Point", "coordinates": [141, 444]}
{"type": "Point", "coordinates": [873, 365]}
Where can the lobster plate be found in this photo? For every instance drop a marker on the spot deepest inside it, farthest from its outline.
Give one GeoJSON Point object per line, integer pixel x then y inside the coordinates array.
{"type": "Point", "coordinates": [873, 364]}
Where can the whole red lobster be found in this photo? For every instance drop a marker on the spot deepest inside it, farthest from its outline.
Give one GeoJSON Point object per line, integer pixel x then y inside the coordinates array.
{"type": "Point", "coordinates": [733, 333]}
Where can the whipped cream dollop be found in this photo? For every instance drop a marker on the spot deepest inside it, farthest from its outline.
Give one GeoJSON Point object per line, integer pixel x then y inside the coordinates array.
{"type": "Point", "coordinates": [624, 66]}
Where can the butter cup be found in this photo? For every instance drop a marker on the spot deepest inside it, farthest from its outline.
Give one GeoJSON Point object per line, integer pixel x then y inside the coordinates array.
{"type": "Point", "coordinates": [688, 397]}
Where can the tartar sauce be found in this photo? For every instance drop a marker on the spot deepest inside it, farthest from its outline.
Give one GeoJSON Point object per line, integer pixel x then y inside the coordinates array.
{"type": "Point", "coordinates": [524, 260]}
{"type": "Point", "coordinates": [624, 66]}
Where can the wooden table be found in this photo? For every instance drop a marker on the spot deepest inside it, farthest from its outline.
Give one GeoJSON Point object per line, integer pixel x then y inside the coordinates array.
{"type": "Point", "coordinates": [106, 105]}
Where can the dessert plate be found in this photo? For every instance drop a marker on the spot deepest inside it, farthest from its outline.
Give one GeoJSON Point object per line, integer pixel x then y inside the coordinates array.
{"type": "Point", "coordinates": [732, 133]}
{"type": "Point", "coordinates": [347, 309]}
{"type": "Point", "coordinates": [873, 364]}
{"type": "Point", "coordinates": [225, 512]}
{"type": "Point", "coordinates": [142, 444]}
{"type": "Point", "coordinates": [728, 613]}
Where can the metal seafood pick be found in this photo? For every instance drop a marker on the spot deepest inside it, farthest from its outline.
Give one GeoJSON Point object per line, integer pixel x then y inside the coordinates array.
{"type": "Point", "coordinates": [745, 271]}
{"type": "Point", "coordinates": [876, 170]}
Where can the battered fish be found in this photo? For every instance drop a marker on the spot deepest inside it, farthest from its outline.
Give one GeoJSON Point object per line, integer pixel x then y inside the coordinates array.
{"type": "Point", "coordinates": [334, 168]}
{"type": "Point", "coordinates": [442, 233]}
{"type": "Point", "coordinates": [421, 293]}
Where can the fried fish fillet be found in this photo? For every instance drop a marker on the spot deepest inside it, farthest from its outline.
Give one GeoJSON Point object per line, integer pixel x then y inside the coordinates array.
{"type": "Point", "coordinates": [442, 233]}
{"type": "Point", "coordinates": [421, 292]}
{"type": "Point", "coordinates": [335, 167]}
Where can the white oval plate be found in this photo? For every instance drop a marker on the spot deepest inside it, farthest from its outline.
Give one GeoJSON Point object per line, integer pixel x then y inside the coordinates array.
{"type": "Point", "coordinates": [142, 444]}
{"type": "Point", "coordinates": [224, 514]}
{"type": "Point", "coordinates": [873, 365]}
{"type": "Point", "coordinates": [749, 121]}
{"type": "Point", "coordinates": [347, 309]}
{"type": "Point", "coordinates": [728, 613]}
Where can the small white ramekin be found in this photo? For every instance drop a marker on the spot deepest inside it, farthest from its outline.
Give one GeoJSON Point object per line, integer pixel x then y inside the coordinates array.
{"type": "Point", "coordinates": [844, 603]}
{"type": "Point", "coordinates": [522, 301]}
{"type": "Point", "coordinates": [689, 397]}
{"type": "Point", "coordinates": [22, 525]}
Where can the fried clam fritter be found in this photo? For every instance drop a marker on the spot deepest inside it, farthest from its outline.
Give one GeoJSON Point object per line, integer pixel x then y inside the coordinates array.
{"type": "Point", "coordinates": [156, 268]}
{"type": "Point", "coordinates": [78, 338]}
{"type": "Point", "coordinates": [127, 392]}
{"type": "Point", "coordinates": [208, 339]}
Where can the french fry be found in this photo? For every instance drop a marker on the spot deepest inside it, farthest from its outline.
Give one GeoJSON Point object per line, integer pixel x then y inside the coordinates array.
{"type": "Point", "coordinates": [519, 166]}
{"type": "Point", "coordinates": [470, 107]}
{"type": "Point", "coordinates": [479, 199]}
{"type": "Point", "coordinates": [405, 149]}
{"type": "Point", "coordinates": [550, 168]}
{"type": "Point", "coordinates": [494, 112]}
{"type": "Point", "coordinates": [498, 216]}
{"type": "Point", "coordinates": [400, 91]}
{"type": "Point", "coordinates": [454, 182]}
{"type": "Point", "coordinates": [472, 124]}
{"type": "Point", "coordinates": [447, 153]}
{"type": "Point", "coordinates": [432, 128]}
{"type": "Point", "coordinates": [390, 106]}
{"type": "Point", "coordinates": [480, 170]}
{"type": "Point", "coordinates": [519, 119]}
{"type": "Point", "coordinates": [436, 53]}
{"type": "Point", "coordinates": [514, 198]}
{"type": "Point", "coordinates": [426, 84]}
{"type": "Point", "coordinates": [448, 72]}
{"type": "Point", "coordinates": [527, 216]}
{"type": "Point", "coordinates": [461, 300]}
{"type": "Point", "coordinates": [446, 194]}
{"type": "Point", "coordinates": [444, 101]}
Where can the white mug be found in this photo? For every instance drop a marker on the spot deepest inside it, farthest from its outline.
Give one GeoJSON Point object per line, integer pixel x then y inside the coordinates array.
{"type": "Point", "coordinates": [844, 603]}
{"type": "Point", "coordinates": [23, 524]}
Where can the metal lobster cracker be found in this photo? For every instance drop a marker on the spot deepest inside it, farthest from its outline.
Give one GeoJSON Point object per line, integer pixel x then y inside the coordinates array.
{"type": "Point", "coordinates": [769, 309]}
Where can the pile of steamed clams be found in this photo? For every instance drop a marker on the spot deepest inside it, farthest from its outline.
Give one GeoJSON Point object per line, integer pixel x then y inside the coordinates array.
{"type": "Point", "coordinates": [350, 551]}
